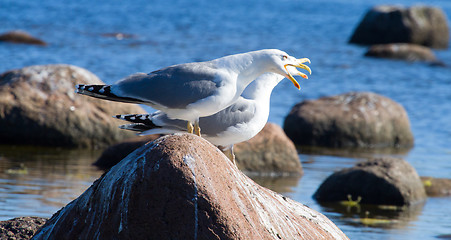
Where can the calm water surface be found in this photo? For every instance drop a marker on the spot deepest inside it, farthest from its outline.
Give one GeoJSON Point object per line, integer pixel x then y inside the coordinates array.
{"type": "Point", "coordinates": [37, 181]}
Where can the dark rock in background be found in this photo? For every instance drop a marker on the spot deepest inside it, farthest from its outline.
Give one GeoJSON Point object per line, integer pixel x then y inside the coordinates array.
{"type": "Point", "coordinates": [355, 119]}
{"type": "Point", "coordinates": [379, 181]}
{"type": "Point", "coordinates": [422, 25]}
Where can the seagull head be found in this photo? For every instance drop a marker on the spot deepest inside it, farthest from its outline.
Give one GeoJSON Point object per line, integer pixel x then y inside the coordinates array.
{"type": "Point", "coordinates": [286, 65]}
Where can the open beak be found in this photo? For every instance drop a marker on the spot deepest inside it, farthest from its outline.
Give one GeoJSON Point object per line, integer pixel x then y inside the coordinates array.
{"type": "Point", "coordinates": [299, 64]}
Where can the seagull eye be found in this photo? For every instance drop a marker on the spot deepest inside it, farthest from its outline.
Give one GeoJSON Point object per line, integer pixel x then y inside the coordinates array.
{"type": "Point", "coordinates": [284, 57]}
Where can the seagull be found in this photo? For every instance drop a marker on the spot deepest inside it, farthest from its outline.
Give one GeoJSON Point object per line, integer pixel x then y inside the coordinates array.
{"type": "Point", "coordinates": [192, 90]}
{"type": "Point", "coordinates": [237, 123]}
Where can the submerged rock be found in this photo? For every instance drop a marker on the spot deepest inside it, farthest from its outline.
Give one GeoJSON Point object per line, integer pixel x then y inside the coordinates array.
{"type": "Point", "coordinates": [403, 51]}
{"type": "Point", "coordinates": [380, 181]}
{"type": "Point", "coordinates": [39, 106]}
{"type": "Point", "coordinates": [422, 25]}
{"type": "Point", "coordinates": [182, 187]}
{"type": "Point", "coordinates": [270, 152]}
{"type": "Point", "coordinates": [355, 119]}
{"type": "Point", "coordinates": [21, 37]}
{"type": "Point", "coordinates": [437, 187]}
{"type": "Point", "coordinates": [20, 228]}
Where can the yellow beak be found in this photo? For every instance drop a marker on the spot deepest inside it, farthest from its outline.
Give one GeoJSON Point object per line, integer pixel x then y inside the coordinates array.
{"type": "Point", "coordinates": [299, 64]}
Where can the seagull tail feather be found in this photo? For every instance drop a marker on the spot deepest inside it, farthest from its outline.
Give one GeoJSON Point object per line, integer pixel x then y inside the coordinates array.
{"type": "Point", "coordinates": [144, 124]}
{"type": "Point", "coordinates": [137, 127]}
{"type": "Point", "coordinates": [138, 118]}
{"type": "Point", "coordinates": [103, 92]}
{"type": "Point", "coordinates": [138, 122]}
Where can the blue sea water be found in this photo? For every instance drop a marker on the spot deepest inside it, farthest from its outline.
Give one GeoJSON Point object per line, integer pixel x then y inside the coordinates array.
{"type": "Point", "coordinates": [164, 32]}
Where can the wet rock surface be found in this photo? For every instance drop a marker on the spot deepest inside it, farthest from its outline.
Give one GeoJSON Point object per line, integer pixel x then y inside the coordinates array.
{"type": "Point", "coordinates": [380, 181]}
{"type": "Point", "coordinates": [270, 152]}
{"type": "Point", "coordinates": [422, 25]}
{"type": "Point", "coordinates": [355, 119]}
{"type": "Point", "coordinates": [39, 106]}
{"type": "Point", "coordinates": [20, 228]}
{"type": "Point", "coordinates": [182, 187]}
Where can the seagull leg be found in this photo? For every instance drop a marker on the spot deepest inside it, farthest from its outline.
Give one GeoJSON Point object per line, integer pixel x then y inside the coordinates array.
{"type": "Point", "coordinates": [197, 128]}
{"type": "Point", "coordinates": [228, 151]}
{"type": "Point", "coordinates": [233, 155]}
{"type": "Point", "coordinates": [189, 127]}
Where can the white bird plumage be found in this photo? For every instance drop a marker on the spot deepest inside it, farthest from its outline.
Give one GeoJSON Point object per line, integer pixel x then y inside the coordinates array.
{"type": "Point", "coordinates": [193, 90]}
{"type": "Point", "coordinates": [237, 123]}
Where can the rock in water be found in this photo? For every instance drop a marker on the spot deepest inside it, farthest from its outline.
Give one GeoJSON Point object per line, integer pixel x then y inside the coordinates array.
{"type": "Point", "coordinates": [39, 106]}
{"type": "Point", "coordinates": [380, 181]}
{"type": "Point", "coordinates": [21, 37]}
{"type": "Point", "coordinates": [422, 25]}
{"type": "Point", "coordinates": [355, 119]}
{"type": "Point", "coordinates": [403, 51]}
{"type": "Point", "coordinates": [270, 152]}
{"type": "Point", "coordinates": [182, 187]}
{"type": "Point", "coordinates": [437, 187]}
{"type": "Point", "coordinates": [20, 228]}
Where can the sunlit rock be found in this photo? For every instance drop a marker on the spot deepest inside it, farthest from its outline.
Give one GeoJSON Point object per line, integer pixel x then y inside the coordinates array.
{"type": "Point", "coordinates": [355, 119]}
{"type": "Point", "coordinates": [182, 187]}
{"type": "Point", "coordinates": [422, 25]}
{"type": "Point", "coordinates": [380, 181]}
{"type": "Point", "coordinates": [270, 152]}
{"type": "Point", "coordinates": [39, 106]}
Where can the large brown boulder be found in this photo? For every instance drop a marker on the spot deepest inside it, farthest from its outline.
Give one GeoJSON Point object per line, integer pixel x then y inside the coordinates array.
{"type": "Point", "coordinates": [20, 228]}
{"type": "Point", "coordinates": [403, 51]}
{"type": "Point", "coordinates": [422, 25]}
{"type": "Point", "coordinates": [182, 187]}
{"type": "Point", "coordinates": [380, 181]}
{"type": "Point", "coordinates": [39, 106]}
{"type": "Point", "coordinates": [21, 37]}
{"type": "Point", "coordinates": [270, 152]}
{"type": "Point", "coordinates": [355, 119]}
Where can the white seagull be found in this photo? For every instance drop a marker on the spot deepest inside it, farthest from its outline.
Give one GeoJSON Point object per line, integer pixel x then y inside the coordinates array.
{"type": "Point", "coordinates": [237, 123]}
{"type": "Point", "coordinates": [193, 90]}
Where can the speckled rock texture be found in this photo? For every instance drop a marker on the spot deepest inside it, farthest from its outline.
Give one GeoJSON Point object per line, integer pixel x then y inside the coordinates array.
{"type": "Point", "coordinates": [422, 25]}
{"type": "Point", "coordinates": [270, 152]}
{"type": "Point", "coordinates": [182, 187]}
{"type": "Point", "coordinates": [355, 119]}
{"type": "Point", "coordinates": [39, 106]}
{"type": "Point", "coordinates": [20, 228]}
{"type": "Point", "coordinates": [380, 181]}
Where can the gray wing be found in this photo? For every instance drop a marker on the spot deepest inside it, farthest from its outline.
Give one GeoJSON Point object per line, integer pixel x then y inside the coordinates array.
{"type": "Point", "coordinates": [242, 111]}
{"type": "Point", "coordinates": [173, 87]}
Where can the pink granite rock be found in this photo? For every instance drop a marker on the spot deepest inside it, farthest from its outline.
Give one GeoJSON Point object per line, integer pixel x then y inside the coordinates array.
{"type": "Point", "coordinates": [182, 187]}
